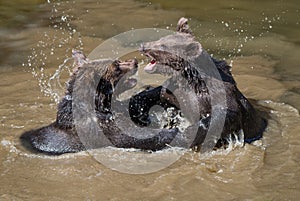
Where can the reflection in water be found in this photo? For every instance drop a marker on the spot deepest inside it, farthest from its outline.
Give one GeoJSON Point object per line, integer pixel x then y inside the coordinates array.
{"type": "Point", "coordinates": [261, 39]}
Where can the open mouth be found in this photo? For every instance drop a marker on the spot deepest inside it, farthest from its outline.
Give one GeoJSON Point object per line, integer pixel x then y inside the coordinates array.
{"type": "Point", "coordinates": [150, 67]}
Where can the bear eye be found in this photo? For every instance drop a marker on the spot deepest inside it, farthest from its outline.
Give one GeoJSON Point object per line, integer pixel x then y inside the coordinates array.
{"type": "Point", "coordinates": [163, 47]}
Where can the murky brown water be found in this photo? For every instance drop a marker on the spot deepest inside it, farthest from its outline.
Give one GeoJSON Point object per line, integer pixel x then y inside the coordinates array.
{"type": "Point", "coordinates": [260, 38]}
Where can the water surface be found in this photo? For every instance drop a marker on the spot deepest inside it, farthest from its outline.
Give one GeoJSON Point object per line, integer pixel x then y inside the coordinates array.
{"type": "Point", "coordinates": [259, 38]}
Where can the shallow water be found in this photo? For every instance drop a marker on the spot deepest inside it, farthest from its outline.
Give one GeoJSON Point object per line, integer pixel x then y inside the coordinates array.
{"type": "Point", "coordinates": [260, 39]}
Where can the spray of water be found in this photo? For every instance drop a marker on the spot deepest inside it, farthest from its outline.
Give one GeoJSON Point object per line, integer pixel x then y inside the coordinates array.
{"type": "Point", "coordinates": [54, 83]}
{"type": "Point", "coordinates": [47, 52]}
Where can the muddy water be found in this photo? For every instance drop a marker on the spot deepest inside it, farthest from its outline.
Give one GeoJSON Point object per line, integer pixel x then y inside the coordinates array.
{"type": "Point", "coordinates": [260, 39]}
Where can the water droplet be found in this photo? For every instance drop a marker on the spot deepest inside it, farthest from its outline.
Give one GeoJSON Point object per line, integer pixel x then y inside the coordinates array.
{"type": "Point", "coordinates": [63, 18]}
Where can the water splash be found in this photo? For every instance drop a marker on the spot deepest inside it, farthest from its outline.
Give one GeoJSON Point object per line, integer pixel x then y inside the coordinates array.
{"type": "Point", "coordinates": [54, 46]}
{"type": "Point", "coordinates": [230, 38]}
{"type": "Point", "coordinates": [236, 140]}
{"type": "Point", "coordinates": [54, 83]}
{"type": "Point", "coordinates": [50, 84]}
{"type": "Point", "coordinates": [169, 118]}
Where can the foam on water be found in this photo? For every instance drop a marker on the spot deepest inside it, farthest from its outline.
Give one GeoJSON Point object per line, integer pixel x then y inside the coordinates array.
{"type": "Point", "coordinates": [12, 147]}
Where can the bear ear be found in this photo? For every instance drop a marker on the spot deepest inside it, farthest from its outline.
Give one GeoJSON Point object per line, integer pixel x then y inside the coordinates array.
{"type": "Point", "coordinates": [182, 26]}
{"type": "Point", "coordinates": [79, 58]}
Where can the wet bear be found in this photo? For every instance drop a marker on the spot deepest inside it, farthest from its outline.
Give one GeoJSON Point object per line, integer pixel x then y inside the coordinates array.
{"type": "Point", "coordinates": [61, 136]}
{"type": "Point", "coordinates": [205, 88]}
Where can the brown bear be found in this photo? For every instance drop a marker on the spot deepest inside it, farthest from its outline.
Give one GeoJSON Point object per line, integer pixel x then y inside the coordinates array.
{"type": "Point", "coordinates": [61, 136]}
{"type": "Point", "coordinates": [207, 90]}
